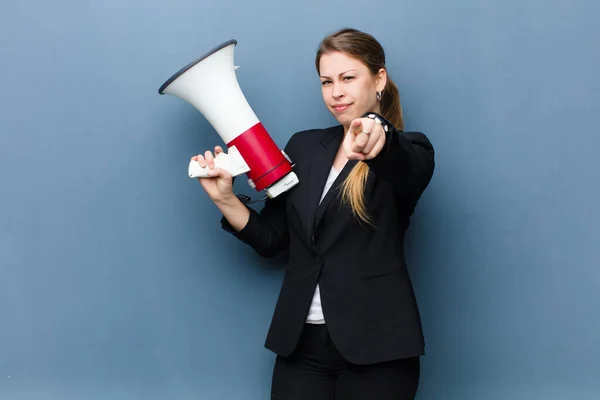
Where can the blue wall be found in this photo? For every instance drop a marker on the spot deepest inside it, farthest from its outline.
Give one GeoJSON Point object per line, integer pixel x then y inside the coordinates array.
{"type": "Point", "coordinates": [116, 281]}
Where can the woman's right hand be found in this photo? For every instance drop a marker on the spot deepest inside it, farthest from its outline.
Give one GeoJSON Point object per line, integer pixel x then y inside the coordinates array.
{"type": "Point", "coordinates": [219, 184]}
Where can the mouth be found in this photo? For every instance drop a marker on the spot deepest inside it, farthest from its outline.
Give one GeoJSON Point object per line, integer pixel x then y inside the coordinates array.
{"type": "Point", "coordinates": [340, 108]}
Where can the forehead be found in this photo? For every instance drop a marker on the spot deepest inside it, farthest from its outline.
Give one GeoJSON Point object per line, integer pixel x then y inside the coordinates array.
{"type": "Point", "coordinates": [332, 64]}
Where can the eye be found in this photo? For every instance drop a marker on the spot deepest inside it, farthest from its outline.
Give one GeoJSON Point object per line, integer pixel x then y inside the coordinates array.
{"type": "Point", "coordinates": [348, 78]}
{"type": "Point", "coordinates": [323, 83]}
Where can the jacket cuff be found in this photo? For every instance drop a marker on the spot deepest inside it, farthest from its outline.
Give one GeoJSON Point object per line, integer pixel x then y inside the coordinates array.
{"type": "Point", "coordinates": [391, 135]}
{"type": "Point", "coordinates": [248, 231]}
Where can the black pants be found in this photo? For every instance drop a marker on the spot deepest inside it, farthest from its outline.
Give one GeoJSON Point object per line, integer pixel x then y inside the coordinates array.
{"type": "Point", "coordinates": [317, 371]}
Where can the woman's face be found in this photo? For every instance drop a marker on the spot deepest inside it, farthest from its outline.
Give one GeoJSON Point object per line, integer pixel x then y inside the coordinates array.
{"type": "Point", "coordinates": [349, 89]}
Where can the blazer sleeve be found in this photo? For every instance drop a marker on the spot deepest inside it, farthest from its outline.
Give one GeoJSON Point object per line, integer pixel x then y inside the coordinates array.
{"type": "Point", "coordinates": [266, 230]}
{"type": "Point", "coordinates": [407, 162]}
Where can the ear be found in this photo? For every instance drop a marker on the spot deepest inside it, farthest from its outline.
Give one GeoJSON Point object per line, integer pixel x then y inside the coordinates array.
{"type": "Point", "coordinates": [381, 79]}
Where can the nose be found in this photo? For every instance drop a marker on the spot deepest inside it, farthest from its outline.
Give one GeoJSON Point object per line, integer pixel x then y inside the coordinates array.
{"type": "Point", "coordinates": [337, 91]}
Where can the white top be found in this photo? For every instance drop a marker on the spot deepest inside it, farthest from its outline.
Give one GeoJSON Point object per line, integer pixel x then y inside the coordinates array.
{"type": "Point", "coordinates": [315, 313]}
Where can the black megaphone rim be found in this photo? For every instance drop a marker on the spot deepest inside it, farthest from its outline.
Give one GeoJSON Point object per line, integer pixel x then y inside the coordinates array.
{"type": "Point", "coordinates": [190, 65]}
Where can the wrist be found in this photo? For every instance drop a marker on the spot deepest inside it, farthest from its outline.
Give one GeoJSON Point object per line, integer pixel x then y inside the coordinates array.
{"type": "Point", "coordinates": [225, 200]}
{"type": "Point", "coordinates": [380, 120]}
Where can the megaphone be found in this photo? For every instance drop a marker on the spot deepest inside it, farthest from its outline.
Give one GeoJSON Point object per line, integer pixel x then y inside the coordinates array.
{"type": "Point", "coordinates": [209, 84]}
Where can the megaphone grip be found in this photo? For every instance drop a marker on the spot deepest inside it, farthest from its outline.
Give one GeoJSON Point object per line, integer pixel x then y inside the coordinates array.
{"type": "Point", "coordinates": [266, 161]}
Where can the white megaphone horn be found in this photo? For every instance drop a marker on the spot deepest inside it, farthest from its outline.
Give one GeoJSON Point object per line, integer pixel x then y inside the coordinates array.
{"type": "Point", "coordinates": [210, 85]}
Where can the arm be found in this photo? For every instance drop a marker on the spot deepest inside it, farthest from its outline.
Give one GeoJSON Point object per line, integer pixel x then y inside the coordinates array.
{"type": "Point", "coordinates": [265, 231]}
{"type": "Point", "coordinates": [406, 161]}
{"type": "Point", "coordinates": [234, 212]}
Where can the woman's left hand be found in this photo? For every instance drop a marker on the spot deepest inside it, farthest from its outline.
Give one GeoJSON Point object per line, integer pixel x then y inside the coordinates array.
{"type": "Point", "coordinates": [364, 140]}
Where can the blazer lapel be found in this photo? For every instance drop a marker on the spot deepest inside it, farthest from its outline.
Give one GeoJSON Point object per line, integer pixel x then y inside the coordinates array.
{"type": "Point", "coordinates": [333, 191]}
{"type": "Point", "coordinates": [319, 171]}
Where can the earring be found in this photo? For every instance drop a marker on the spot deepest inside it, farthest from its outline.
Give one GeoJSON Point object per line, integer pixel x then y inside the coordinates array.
{"type": "Point", "coordinates": [378, 96]}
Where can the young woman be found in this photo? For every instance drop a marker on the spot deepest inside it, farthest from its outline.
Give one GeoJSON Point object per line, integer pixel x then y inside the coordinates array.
{"type": "Point", "coordinates": [346, 324]}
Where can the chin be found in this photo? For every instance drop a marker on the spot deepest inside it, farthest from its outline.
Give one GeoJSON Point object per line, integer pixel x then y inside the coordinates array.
{"type": "Point", "coordinates": [344, 119]}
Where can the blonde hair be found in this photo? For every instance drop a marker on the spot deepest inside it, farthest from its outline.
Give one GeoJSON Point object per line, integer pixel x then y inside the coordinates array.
{"type": "Point", "coordinates": [369, 51]}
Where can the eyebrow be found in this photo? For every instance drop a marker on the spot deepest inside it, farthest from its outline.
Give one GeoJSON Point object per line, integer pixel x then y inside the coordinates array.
{"type": "Point", "coordinates": [340, 74]}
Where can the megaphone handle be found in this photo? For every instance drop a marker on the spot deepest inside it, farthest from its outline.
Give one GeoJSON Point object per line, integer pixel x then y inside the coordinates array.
{"type": "Point", "coordinates": [233, 162]}
{"type": "Point", "coordinates": [196, 171]}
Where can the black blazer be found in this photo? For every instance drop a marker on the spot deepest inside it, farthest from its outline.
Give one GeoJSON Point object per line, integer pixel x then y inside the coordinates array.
{"type": "Point", "coordinates": [366, 294]}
